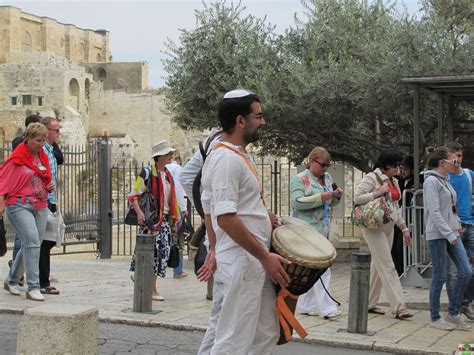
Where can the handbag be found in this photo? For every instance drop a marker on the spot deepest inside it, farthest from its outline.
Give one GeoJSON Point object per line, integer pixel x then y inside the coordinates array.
{"type": "Point", "coordinates": [3, 239]}
{"type": "Point", "coordinates": [200, 256]}
{"type": "Point", "coordinates": [55, 228]}
{"type": "Point", "coordinates": [375, 213]}
{"type": "Point", "coordinates": [173, 260]}
{"type": "Point", "coordinates": [147, 204]}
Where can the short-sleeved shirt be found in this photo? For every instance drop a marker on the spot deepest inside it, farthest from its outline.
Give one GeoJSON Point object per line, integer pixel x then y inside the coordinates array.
{"type": "Point", "coordinates": [229, 186]}
{"type": "Point", "coordinates": [460, 182]}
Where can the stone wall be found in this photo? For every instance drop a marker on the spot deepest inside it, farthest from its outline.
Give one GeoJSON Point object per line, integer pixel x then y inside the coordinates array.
{"type": "Point", "coordinates": [143, 117]}
{"type": "Point", "coordinates": [129, 77]}
{"type": "Point", "coordinates": [42, 82]}
{"type": "Point", "coordinates": [24, 32]}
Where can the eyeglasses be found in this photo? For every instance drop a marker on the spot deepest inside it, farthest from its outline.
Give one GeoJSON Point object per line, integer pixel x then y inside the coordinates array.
{"type": "Point", "coordinates": [54, 129]}
{"type": "Point", "coordinates": [322, 165]}
{"type": "Point", "coordinates": [452, 161]}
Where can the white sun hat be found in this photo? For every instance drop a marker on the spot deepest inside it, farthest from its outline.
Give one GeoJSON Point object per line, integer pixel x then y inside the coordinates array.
{"type": "Point", "coordinates": [161, 148]}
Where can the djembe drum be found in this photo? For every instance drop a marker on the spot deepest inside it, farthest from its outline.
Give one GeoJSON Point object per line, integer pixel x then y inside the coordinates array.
{"type": "Point", "coordinates": [311, 254]}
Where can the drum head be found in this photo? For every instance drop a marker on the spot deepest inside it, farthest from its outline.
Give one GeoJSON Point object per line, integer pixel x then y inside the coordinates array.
{"type": "Point", "coordinates": [304, 245]}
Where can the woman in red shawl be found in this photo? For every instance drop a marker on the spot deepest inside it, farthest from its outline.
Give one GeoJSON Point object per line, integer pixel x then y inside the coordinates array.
{"type": "Point", "coordinates": [167, 209]}
{"type": "Point", "coordinates": [25, 180]}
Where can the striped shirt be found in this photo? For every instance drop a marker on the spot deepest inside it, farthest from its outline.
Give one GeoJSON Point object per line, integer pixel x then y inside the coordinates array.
{"type": "Point", "coordinates": [53, 164]}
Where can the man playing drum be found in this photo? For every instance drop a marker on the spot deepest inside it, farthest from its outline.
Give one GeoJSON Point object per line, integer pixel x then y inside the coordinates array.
{"type": "Point", "coordinates": [232, 201]}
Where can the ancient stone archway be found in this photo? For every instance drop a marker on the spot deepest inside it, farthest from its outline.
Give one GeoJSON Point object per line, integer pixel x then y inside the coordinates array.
{"type": "Point", "coordinates": [74, 94]}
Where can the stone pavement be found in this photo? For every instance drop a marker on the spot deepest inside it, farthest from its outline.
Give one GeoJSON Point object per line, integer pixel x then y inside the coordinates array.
{"type": "Point", "coordinates": [106, 284]}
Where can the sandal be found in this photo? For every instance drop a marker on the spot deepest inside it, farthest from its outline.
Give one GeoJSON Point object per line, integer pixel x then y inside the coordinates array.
{"type": "Point", "coordinates": [50, 290]}
{"type": "Point", "coordinates": [402, 314]}
{"type": "Point", "coordinates": [377, 310]}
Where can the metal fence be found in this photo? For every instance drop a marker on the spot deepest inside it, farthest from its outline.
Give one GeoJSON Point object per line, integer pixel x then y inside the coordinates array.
{"type": "Point", "coordinates": [77, 196]}
{"type": "Point", "coordinates": [92, 196]}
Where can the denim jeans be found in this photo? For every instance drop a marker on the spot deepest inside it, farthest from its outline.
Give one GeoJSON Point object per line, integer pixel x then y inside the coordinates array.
{"type": "Point", "coordinates": [30, 226]}
{"type": "Point", "coordinates": [16, 246]}
{"type": "Point", "coordinates": [439, 250]}
{"type": "Point", "coordinates": [179, 270]}
{"type": "Point", "coordinates": [468, 241]}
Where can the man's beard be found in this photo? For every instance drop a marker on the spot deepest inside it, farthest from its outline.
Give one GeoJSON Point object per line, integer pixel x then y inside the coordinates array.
{"type": "Point", "coordinates": [252, 137]}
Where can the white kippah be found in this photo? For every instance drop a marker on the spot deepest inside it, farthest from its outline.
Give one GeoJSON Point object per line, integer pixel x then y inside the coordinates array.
{"type": "Point", "coordinates": [237, 93]}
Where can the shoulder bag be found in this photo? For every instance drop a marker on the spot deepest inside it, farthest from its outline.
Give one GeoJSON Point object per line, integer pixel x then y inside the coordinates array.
{"type": "Point", "coordinates": [147, 204]}
{"type": "Point", "coordinates": [375, 213]}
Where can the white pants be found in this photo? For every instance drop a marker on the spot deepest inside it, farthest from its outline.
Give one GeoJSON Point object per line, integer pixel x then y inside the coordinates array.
{"type": "Point", "coordinates": [243, 318]}
{"type": "Point", "coordinates": [316, 300]}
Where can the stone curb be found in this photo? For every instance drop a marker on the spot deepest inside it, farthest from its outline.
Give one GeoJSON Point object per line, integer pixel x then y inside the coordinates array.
{"type": "Point", "coordinates": [356, 344]}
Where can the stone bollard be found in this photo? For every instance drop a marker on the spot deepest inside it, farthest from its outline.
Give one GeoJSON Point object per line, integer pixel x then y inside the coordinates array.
{"type": "Point", "coordinates": [58, 329]}
{"type": "Point", "coordinates": [359, 293]}
{"type": "Point", "coordinates": [144, 254]}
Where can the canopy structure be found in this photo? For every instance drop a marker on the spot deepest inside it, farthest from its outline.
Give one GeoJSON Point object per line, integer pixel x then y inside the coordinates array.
{"type": "Point", "coordinates": [454, 88]}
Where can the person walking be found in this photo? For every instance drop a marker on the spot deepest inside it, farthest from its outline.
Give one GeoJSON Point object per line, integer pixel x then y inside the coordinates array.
{"type": "Point", "coordinates": [25, 180]}
{"type": "Point", "coordinates": [167, 208]}
{"type": "Point", "coordinates": [382, 269]}
{"type": "Point", "coordinates": [312, 195]}
{"type": "Point", "coordinates": [244, 297]}
{"type": "Point", "coordinates": [53, 127]}
{"type": "Point", "coordinates": [443, 229]}
{"type": "Point", "coordinates": [461, 180]}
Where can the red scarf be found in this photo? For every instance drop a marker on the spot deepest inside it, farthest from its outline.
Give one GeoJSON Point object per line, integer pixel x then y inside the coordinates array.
{"type": "Point", "coordinates": [22, 156]}
{"type": "Point", "coordinates": [159, 190]}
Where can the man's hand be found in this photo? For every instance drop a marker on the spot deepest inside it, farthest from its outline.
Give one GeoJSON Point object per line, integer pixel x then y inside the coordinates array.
{"type": "Point", "coordinates": [50, 187]}
{"type": "Point", "coordinates": [208, 268]}
{"type": "Point", "coordinates": [273, 265]}
{"type": "Point", "coordinates": [274, 219]}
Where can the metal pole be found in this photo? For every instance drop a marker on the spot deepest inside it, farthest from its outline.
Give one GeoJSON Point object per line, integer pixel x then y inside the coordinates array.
{"type": "Point", "coordinates": [359, 293]}
{"type": "Point", "coordinates": [144, 253]}
{"type": "Point", "coordinates": [416, 137]}
{"type": "Point", "coordinates": [275, 186]}
{"type": "Point", "coordinates": [105, 196]}
{"type": "Point", "coordinates": [440, 120]}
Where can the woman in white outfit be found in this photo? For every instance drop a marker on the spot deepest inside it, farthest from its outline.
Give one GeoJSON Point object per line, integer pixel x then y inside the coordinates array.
{"type": "Point", "coordinates": [312, 197]}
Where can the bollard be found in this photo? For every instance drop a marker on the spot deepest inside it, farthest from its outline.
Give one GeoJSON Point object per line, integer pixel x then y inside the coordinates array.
{"type": "Point", "coordinates": [359, 293]}
{"type": "Point", "coordinates": [144, 254]}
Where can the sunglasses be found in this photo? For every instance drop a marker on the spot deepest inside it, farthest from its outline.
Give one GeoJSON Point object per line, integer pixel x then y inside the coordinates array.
{"type": "Point", "coordinates": [453, 161]}
{"type": "Point", "coordinates": [322, 165]}
{"type": "Point", "coordinates": [54, 130]}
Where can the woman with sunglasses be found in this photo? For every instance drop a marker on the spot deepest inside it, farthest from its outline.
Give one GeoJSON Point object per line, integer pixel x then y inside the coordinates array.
{"type": "Point", "coordinates": [443, 230]}
{"type": "Point", "coordinates": [312, 194]}
{"type": "Point", "coordinates": [382, 269]}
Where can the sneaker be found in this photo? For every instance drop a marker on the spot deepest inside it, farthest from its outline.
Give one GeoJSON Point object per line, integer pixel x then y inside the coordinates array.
{"type": "Point", "coordinates": [458, 322]}
{"type": "Point", "coordinates": [34, 295]}
{"type": "Point", "coordinates": [333, 315]}
{"type": "Point", "coordinates": [157, 297]}
{"type": "Point", "coordinates": [442, 324]}
{"type": "Point", "coordinates": [180, 276]}
{"type": "Point", "coordinates": [468, 313]}
{"type": "Point", "coordinates": [13, 289]}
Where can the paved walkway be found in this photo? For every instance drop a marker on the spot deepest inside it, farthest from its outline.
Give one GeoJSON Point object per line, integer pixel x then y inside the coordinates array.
{"type": "Point", "coordinates": [106, 284]}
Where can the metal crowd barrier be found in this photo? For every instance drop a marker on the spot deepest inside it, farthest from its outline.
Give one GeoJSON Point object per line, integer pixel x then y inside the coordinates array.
{"type": "Point", "coordinates": [416, 258]}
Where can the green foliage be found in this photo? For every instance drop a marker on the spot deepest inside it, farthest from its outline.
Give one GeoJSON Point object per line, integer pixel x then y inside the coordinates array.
{"type": "Point", "coordinates": [332, 80]}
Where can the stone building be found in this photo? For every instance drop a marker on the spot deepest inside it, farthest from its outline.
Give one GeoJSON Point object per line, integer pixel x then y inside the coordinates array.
{"type": "Point", "coordinates": [65, 71]}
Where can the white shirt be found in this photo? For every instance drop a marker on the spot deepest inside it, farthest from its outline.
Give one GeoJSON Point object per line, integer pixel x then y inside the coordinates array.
{"type": "Point", "coordinates": [192, 167]}
{"type": "Point", "coordinates": [175, 170]}
{"type": "Point", "coordinates": [231, 187]}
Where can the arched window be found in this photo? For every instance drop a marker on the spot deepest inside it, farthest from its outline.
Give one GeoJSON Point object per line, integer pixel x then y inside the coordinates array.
{"type": "Point", "coordinates": [74, 94]}
{"type": "Point", "coordinates": [98, 58]}
{"type": "Point", "coordinates": [26, 43]}
{"type": "Point", "coordinates": [87, 88]}
{"type": "Point", "coordinates": [101, 75]}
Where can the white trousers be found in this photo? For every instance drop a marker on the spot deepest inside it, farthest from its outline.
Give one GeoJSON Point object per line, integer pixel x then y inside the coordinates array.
{"type": "Point", "coordinates": [243, 318]}
{"type": "Point", "coordinates": [316, 300]}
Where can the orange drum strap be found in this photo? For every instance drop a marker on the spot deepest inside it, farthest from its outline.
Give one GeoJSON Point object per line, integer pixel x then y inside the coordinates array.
{"type": "Point", "coordinates": [287, 317]}
{"type": "Point", "coordinates": [247, 162]}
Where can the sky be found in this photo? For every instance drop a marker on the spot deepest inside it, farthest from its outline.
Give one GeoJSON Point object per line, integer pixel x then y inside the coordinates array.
{"type": "Point", "coordinates": [139, 28]}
